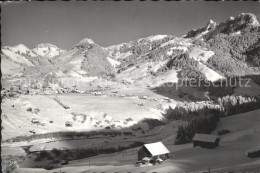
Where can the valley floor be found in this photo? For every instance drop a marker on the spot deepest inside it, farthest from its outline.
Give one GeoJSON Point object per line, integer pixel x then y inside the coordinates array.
{"type": "Point", "coordinates": [85, 111]}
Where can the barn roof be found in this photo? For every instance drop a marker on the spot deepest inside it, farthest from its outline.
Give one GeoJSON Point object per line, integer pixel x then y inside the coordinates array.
{"type": "Point", "coordinates": [156, 148]}
{"type": "Point", "coordinates": [205, 137]}
{"type": "Point", "coordinates": [254, 149]}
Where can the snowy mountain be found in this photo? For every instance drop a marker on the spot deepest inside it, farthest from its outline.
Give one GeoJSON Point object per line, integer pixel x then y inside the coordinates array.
{"type": "Point", "coordinates": [145, 60]}
{"type": "Point", "coordinates": [47, 50]}
{"type": "Point", "coordinates": [232, 26]}
{"type": "Point", "coordinates": [86, 58]}
{"type": "Point", "coordinates": [15, 61]}
{"type": "Point", "coordinates": [213, 52]}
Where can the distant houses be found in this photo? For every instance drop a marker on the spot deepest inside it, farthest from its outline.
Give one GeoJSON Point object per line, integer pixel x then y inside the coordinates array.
{"type": "Point", "coordinates": [153, 152]}
{"type": "Point", "coordinates": [97, 93]}
{"type": "Point", "coordinates": [68, 124]}
{"type": "Point", "coordinates": [205, 140]}
{"type": "Point", "coordinates": [35, 121]}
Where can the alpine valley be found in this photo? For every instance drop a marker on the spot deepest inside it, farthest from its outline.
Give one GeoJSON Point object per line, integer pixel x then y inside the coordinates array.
{"type": "Point", "coordinates": [94, 106]}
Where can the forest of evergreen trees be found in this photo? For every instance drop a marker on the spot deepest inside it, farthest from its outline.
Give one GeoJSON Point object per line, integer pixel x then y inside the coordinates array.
{"type": "Point", "coordinates": [205, 120]}
{"type": "Point", "coordinates": [65, 135]}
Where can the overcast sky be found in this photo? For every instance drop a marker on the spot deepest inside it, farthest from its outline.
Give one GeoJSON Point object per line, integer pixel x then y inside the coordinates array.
{"type": "Point", "coordinates": [66, 23]}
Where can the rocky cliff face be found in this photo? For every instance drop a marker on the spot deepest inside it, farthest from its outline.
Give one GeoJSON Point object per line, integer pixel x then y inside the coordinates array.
{"type": "Point", "coordinates": [233, 25]}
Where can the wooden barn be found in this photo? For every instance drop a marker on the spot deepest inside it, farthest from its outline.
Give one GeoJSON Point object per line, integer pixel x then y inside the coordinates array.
{"type": "Point", "coordinates": [205, 140]}
{"type": "Point", "coordinates": [153, 151]}
{"type": "Point", "coordinates": [253, 152]}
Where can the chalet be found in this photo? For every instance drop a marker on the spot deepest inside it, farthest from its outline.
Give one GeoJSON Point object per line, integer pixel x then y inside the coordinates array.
{"type": "Point", "coordinates": [205, 140]}
{"type": "Point", "coordinates": [153, 151]}
{"type": "Point", "coordinates": [114, 92]}
{"type": "Point", "coordinates": [35, 121]}
{"type": "Point", "coordinates": [143, 97]}
{"type": "Point", "coordinates": [253, 152]}
{"type": "Point", "coordinates": [97, 93]}
{"type": "Point", "coordinates": [68, 124]}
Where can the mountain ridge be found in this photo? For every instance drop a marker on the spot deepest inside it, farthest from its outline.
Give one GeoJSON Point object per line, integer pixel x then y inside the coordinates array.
{"type": "Point", "coordinates": [150, 56]}
{"type": "Point", "coordinates": [230, 25]}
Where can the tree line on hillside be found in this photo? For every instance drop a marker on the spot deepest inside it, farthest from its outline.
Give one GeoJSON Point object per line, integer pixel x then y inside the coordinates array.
{"type": "Point", "coordinates": [56, 156]}
{"type": "Point", "coordinates": [68, 134]}
{"type": "Point", "coordinates": [205, 120]}
{"type": "Point", "coordinates": [204, 123]}
{"type": "Point", "coordinates": [221, 88]}
{"type": "Point", "coordinates": [233, 53]}
{"type": "Point", "coordinates": [236, 45]}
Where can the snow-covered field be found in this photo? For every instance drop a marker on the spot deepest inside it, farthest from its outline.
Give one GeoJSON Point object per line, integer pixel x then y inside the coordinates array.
{"type": "Point", "coordinates": [184, 158]}
{"type": "Point", "coordinates": [125, 104]}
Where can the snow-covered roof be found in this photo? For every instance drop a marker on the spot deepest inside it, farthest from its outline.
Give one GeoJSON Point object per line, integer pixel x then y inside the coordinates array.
{"type": "Point", "coordinates": [254, 149]}
{"type": "Point", "coordinates": [205, 137]}
{"type": "Point", "coordinates": [156, 148]}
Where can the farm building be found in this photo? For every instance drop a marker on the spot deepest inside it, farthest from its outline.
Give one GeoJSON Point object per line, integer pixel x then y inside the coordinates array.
{"type": "Point", "coordinates": [153, 151]}
{"type": "Point", "coordinates": [253, 152]}
{"type": "Point", "coordinates": [205, 140]}
{"type": "Point", "coordinates": [97, 93]}
{"type": "Point", "coordinates": [68, 124]}
{"type": "Point", "coordinates": [35, 121]}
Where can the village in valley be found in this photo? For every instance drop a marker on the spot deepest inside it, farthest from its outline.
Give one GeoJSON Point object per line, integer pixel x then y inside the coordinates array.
{"type": "Point", "coordinates": [159, 103]}
{"type": "Point", "coordinates": [113, 143]}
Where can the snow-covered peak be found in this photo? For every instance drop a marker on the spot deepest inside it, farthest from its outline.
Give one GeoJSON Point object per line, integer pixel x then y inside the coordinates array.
{"type": "Point", "coordinates": [231, 25]}
{"type": "Point", "coordinates": [157, 37]}
{"type": "Point", "coordinates": [231, 18]}
{"type": "Point", "coordinates": [18, 49]}
{"type": "Point", "coordinates": [152, 38]}
{"type": "Point", "coordinates": [211, 25]}
{"type": "Point", "coordinates": [85, 41]}
{"type": "Point", "coordinates": [211, 21]}
{"type": "Point", "coordinates": [248, 18]}
{"type": "Point", "coordinates": [47, 50]}
{"type": "Point", "coordinates": [22, 48]}
{"type": "Point", "coordinates": [43, 45]}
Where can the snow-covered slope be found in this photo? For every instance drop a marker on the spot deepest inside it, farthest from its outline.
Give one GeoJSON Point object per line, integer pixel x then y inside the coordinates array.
{"type": "Point", "coordinates": [145, 61]}
{"type": "Point", "coordinates": [8, 67]}
{"type": "Point", "coordinates": [113, 62]}
{"type": "Point", "coordinates": [86, 58]}
{"type": "Point", "coordinates": [18, 54]}
{"type": "Point", "coordinates": [202, 56]}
